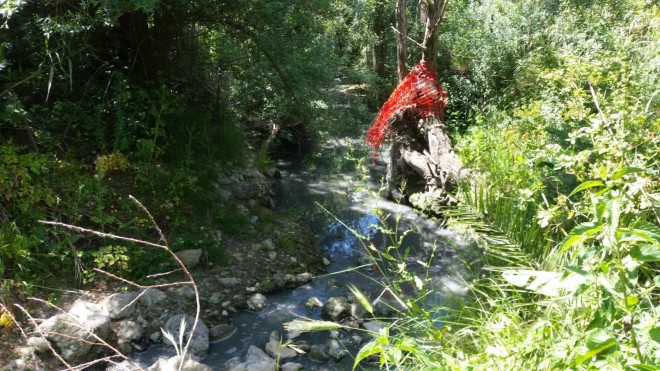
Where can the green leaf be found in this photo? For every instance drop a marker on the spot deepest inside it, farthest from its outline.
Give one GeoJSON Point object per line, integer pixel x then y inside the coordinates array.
{"type": "Point", "coordinates": [586, 185]}
{"type": "Point", "coordinates": [649, 231]}
{"type": "Point", "coordinates": [580, 233]}
{"type": "Point", "coordinates": [632, 301]}
{"type": "Point", "coordinates": [597, 343]}
{"type": "Point", "coordinates": [627, 170]}
{"type": "Point", "coordinates": [546, 283]}
{"type": "Point", "coordinates": [361, 298]}
{"type": "Point", "coordinates": [655, 334]}
{"type": "Point", "coordinates": [642, 367]}
{"type": "Point", "coordinates": [373, 347]}
{"type": "Point", "coordinates": [646, 253]}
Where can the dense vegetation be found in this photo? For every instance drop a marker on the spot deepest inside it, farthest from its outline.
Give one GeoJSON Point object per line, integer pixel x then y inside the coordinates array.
{"type": "Point", "coordinates": [554, 103]}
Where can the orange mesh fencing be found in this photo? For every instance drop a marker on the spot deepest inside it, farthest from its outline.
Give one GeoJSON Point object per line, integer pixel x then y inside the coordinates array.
{"type": "Point", "coordinates": [419, 91]}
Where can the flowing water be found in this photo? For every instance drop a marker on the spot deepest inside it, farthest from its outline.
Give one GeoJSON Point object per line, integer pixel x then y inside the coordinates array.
{"type": "Point", "coordinates": [335, 201]}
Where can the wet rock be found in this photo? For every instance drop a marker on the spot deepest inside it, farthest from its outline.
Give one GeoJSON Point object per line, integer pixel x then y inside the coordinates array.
{"type": "Point", "coordinates": [257, 302]}
{"type": "Point", "coordinates": [358, 310]}
{"type": "Point", "coordinates": [336, 308]}
{"type": "Point", "coordinates": [199, 345]}
{"type": "Point", "coordinates": [155, 337]}
{"type": "Point", "coordinates": [313, 302]}
{"type": "Point", "coordinates": [326, 261]}
{"type": "Point", "coordinates": [303, 278]}
{"type": "Point", "coordinates": [189, 258]}
{"type": "Point", "coordinates": [319, 353]}
{"type": "Point", "coordinates": [365, 260]}
{"type": "Point", "coordinates": [383, 308]}
{"type": "Point", "coordinates": [174, 363]}
{"type": "Point", "coordinates": [255, 360]}
{"type": "Point", "coordinates": [275, 349]}
{"type": "Point", "coordinates": [335, 350]}
{"type": "Point", "coordinates": [121, 305]}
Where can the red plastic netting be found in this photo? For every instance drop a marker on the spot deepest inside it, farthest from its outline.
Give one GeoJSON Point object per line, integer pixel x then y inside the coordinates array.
{"type": "Point", "coordinates": [419, 91]}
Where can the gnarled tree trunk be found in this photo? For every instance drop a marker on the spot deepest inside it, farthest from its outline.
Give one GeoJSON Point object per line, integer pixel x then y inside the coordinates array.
{"type": "Point", "coordinates": [421, 149]}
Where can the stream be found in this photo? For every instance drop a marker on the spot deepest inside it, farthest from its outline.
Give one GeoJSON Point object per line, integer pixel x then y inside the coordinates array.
{"type": "Point", "coordinates": [330, 196]}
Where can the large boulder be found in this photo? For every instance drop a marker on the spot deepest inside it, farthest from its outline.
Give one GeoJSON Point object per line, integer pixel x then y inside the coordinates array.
{"type": "Point", "coordinates": [95, 317]}
{"type": "Point", "coordinates": [121, 305]}
{"type": "Point", "coordinates": [74, 333]}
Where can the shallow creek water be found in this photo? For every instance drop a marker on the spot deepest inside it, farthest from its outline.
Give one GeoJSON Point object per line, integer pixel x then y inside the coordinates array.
{"type": "Point", "coordinates": [305, 192]}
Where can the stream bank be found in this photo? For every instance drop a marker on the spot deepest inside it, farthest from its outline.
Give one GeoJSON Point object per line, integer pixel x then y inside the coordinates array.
{"type": "Point", "coordinates": [299, 236]}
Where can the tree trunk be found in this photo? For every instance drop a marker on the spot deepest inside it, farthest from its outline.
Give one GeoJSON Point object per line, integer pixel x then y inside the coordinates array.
{"type": "Point", "coordinates": [380, 47]}
{"type": "Point", "coordinates": [431, 13]}
{"type": "Point", "coordinates": [394, 159]}
{"type": "Point", "coordinates": [422, 147]}
{"type": "Point", "coordinates": [401, 40]}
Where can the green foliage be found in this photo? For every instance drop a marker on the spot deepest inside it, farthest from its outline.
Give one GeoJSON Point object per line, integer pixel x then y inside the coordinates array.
{"type": "Point", "coordinates": [15, 256]}
{"type": "Point", "coordinates": [231, 221]}
{"type": "Point", "coordinates": [567, 146]}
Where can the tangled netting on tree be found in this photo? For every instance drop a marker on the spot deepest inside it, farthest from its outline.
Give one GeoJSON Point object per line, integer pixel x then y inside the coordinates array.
{"type": "Point", "coordinates": [419, 91]}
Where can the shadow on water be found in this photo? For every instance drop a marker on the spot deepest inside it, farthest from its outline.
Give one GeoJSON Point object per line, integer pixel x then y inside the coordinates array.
{"type": "Point", "coordinates": [337, 204]}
